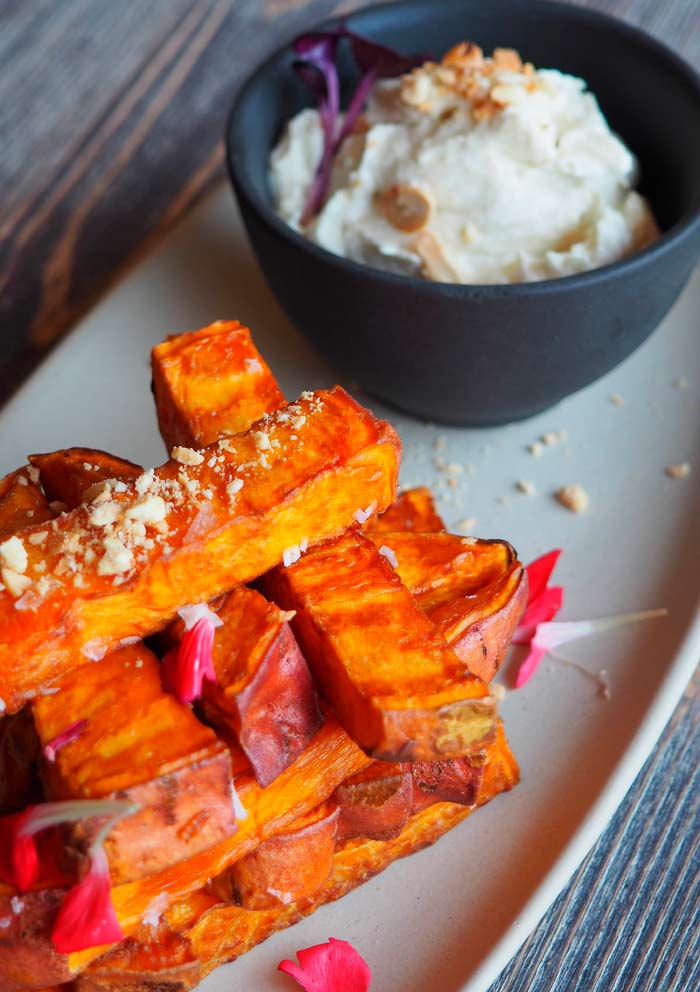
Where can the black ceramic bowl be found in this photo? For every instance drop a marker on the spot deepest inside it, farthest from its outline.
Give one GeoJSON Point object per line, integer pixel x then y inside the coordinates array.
{"type": "Point", "coordinates": [487, 354]}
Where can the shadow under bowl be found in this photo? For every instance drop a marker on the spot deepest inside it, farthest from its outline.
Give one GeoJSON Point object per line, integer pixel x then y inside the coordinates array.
{"type": "Point", "coordinates": [486, 355]}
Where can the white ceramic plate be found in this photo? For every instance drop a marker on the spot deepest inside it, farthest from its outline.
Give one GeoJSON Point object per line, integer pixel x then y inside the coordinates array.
{"type": "Point", "coordinates": [450, 917]}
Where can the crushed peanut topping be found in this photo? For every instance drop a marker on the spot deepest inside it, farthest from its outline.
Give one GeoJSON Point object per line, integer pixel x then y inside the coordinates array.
{"type": "Point", "coordinates": [187, 456]}
{"type": "Point", "coordinates": [13, 555]}
{"type": "Point", "coordinates": [15, 583]}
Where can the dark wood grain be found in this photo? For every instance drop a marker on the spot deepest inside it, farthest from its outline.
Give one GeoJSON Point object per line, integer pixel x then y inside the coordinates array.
{"type": "Point", "coordinates": [111, 117]}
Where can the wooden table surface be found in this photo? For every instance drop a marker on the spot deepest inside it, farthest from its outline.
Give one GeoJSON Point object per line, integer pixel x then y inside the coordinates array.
{"type": "Point", "coordinates": [111, 117]}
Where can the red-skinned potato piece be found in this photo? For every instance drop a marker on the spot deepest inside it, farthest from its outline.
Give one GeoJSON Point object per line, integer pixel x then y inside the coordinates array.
{"type": "Point", "coordinates": [264, 690]}
{"type": "Point", "coordinates": [68, 473]}
{"type": "Point", "coordinates": [209, 383]}
{"type": "Point", "coordinates": [474, 591]}
{"type": "Point", "coordinates": [291, 866]}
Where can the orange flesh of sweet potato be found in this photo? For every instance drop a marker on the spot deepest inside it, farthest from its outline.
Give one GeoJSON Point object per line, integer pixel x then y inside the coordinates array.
{"type": "Point", "coordinates": [66, 474]}
{"type": "Point", "coordinates": [330, 758]}
{"type": "Point", "coordinates": [397, 688]}
{"type": "Point", "coordinates": [143, 745]}
{"type": "Point", "coordinates": [474, 592]}
{"type": "Point", "coordinates": [413, 510]}
{"type": "Point", "coordinates": [209, 540]}
{"type": "Point", "coordinates": [22, 502]}
{"type": "Point", "coordinates": [290, 866]}
{"type": "Point", "coordinates": [264, 690]}
{"type": "Point", "coordinates": [210, 382]}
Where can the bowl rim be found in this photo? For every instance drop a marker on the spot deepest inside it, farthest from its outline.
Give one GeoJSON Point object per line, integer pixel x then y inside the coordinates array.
{"type": "Point", "coordinates": [683, 229]}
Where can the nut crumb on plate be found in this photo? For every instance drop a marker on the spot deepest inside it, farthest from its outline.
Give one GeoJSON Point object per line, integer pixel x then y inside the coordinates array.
{"type": "Point", "coordinates": [574, 497]}
{"type": "Point", "coordinates": [524, 486]}
{"type": "Point", "coordinates": [679, 471]}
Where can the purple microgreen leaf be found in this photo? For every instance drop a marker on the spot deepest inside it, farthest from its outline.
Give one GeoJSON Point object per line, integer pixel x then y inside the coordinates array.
{"type": "Point", "coordinates": [355, 107]}
{"type": "Point", "coordinates": [385, 62]}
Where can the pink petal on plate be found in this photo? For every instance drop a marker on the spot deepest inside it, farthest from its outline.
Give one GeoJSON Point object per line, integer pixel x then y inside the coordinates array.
{"type": "Point", "coordinates": [547, 605]}
{"type": "Point", "coordinates": [539, 571]}
{"type": "Point", "coordinates": [332, 967]}
{"type": "Point", "coordinates": [552, 635]}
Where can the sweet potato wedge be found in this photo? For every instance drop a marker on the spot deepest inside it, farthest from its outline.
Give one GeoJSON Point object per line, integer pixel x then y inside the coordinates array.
{"type": "Point", "coordinates": [474, 591]}
{"type": "Point", "coordinates": [66, 474]}
{"type": "Point", "coordinates": [209, 383]}
{"type": "Point", "coordinates": [191, 530]}
{"type": "Point", "coordinates": [292, 865]}
{"type": "Point", "coordinates": [397, 688]}
{"type": "Point", "coordinates": [327, 761]}
{"type": "Point", "coordinates": [413, 510]}
{"type": "Point", "coordinates": [219, 933]}
{"type": "Point", "coordinates": [264, 690]}
{"type": "Point", "coordinates": [138, 743]}
{"type": "Point", "coordinates": [22, 501]}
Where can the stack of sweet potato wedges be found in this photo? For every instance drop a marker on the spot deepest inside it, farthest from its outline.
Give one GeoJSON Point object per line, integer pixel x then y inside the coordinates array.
{"type": "Point", "coordinates": [351, 708]}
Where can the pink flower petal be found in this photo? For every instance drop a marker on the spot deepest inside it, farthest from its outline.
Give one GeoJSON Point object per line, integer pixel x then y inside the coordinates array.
{"type": "Point", "coordinates": [185, 667]}
{"type": "Point", "coordinates": [538, 573]}
{"type": "Point", "coordinates": [87, 917]}
{"type": "Point", "coordinates": [545, 607]}
{"type": "Point", "coordinates": [68, 735]}
{"type": "Point", "coordinates": [552, 635]}
{"type": "Point", "coordinates": [332, 967]}
{"type": "Point", "coordinates": [19, 861]}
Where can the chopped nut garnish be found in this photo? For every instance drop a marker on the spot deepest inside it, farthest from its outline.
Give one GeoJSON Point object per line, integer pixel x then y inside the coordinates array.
{"type": "Point", "coordinates": [15, 583]}
{"type": "Point", "coordinates": [405, 207]}
{"type": "Point", "coordinates": [535, 448]}
{"type": "Point", "coordinates": [148, 509]}
{"type": "Point", "coordinates": [116, 559]}
{"type": "Point", "coordinates": [13, 555]}
{"type": "Point", "coordinates": [187, 456]}
{"type": "Point", "coordinates": [234, 487]}
{"type": "Point", "coordinates": [616, 399]}
{"type": "Point", "coordinates": [526, 487]}
{"type": "Point", "coordinates": [679, 471]}
{"type": "Point", "coordinates": [39, 537]}
{"type": "Point", "coordinates": [574, 497]}
{"type": "Point", "coordinates": [105, 513]}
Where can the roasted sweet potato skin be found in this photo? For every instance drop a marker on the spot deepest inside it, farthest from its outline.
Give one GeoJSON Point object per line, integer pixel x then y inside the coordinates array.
{"type": "Point", "coordinates": [396, 686]}
{"type": "Point", "coordinates": [162, 961]}
{"type": "Point", "coordinates": [293, 865]}
{"type": "Point", "coordinates": [19, 753]}
{"type": "Point", "coordinates": [264, 691]}
{"type": "Point", "coordinates": [66, 474]}
{"type": "Point", "coordinates": [209, 383]}
{"type": "Point", "coordinates": [474, 591]}
{"type": "Point", "coordinates": [375, 803]}
{"type": "Point", "coordinates": [22, 502]}
{"type": "Point", "coordinates": [204, 544]}
{"type": "Point", "coordinates": [413, 510]}
{"type": "Point", "coordinates": [27, 957]}
{"type": "Point", "coordinates": [141, 744]}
